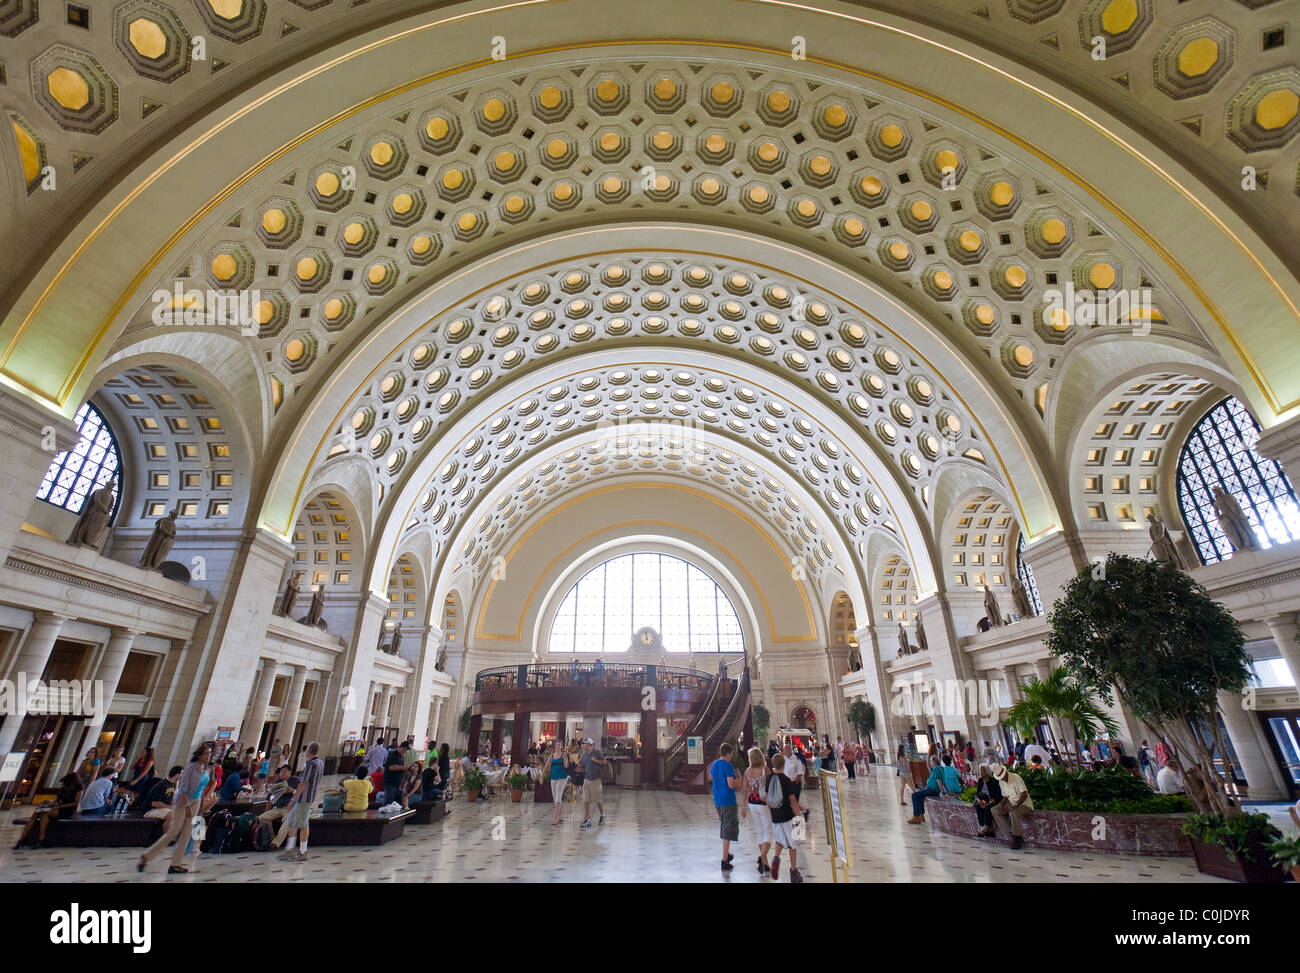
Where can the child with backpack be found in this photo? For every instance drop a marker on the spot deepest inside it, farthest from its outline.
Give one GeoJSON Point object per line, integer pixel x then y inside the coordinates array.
{"type": "Point", "coordinates": [785, 808]}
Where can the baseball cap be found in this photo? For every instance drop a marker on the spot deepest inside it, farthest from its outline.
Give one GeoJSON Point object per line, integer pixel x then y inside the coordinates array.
{"type": "Point", "coordinates": [589, 740]}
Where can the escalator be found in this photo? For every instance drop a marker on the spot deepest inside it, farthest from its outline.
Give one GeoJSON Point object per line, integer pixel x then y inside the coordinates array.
{"type": "Point", "coordinates": [723, 718]}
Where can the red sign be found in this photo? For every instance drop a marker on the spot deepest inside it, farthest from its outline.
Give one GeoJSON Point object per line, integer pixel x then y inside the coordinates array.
{"type": "Point", "coordinates": [616, 729]}
{"type": "Point", "coordinates": [549, 728]}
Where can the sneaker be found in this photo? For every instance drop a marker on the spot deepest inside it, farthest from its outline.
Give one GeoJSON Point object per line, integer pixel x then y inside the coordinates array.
{"type": "Point", "coordinates": [727, 866]}
{"type": "Point", "coordinates": [795, 877]}
{"type": "Point", "coordinates": [776, 866]}
{"type": "Point", "coordinates": [587, 823]}
{"type": "Point", "coordinates": [289, 854]}
{"type": "Point", "coordinates": [602, 819]}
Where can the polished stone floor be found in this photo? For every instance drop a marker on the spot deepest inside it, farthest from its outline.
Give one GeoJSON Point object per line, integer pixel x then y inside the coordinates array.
{"type": "Point", "coordinates": [649, 836]}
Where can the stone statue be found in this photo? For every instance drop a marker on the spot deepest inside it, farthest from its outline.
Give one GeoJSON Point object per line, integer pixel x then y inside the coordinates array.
{"type": "Point", "coordinates": [316, 610]}
{"type": "Point", "coordinates": [992, 609]}
{"type": "Point", "coordinates": [1233, 521]}
{"type": "Point", "coordinates": [921, 642]}
{"type": "Point", "coordinates": [290, 596]}
{"type": "Point", "coordinates": [160, 541]}
{"type": "Point", "coordinates": [904, 647]}
{"type": "Point", "coordinates": [95, 516]}
{"type": "Point", "coordinates": [396, 644]}
{"type": "Point", "coordinates": [441, 664]}
{"type": "Point", "coordinates": [855, 659]}
{"type": "Point", "coordinates": [1162, 545]}
{"type": "Point", "coordinates": [1020, 599]}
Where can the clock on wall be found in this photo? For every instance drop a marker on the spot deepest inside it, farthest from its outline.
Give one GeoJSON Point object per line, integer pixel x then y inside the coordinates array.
{"type": "Point", "coordinates": [646, 640]}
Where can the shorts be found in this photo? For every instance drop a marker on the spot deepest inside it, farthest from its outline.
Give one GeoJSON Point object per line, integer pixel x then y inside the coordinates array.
{"type": "Point", "coordinates": [761, 815]}
{"type": "Point", "coordinates": [729, 823]}
{"type": "Point", "coordinates": [297, 819]}
{"type": "Point", "coordinates": [557, 789]}
{"type": "Point", "coordinates": [784, 833]}
{"type": "Point", "coordinates": [593, 790]}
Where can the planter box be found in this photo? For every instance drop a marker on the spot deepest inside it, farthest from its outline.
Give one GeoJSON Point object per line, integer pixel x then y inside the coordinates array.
{"type": "Point", "coordinates": [1124, 834]}
{"type": "Point", "coordinates": [1213, 860]}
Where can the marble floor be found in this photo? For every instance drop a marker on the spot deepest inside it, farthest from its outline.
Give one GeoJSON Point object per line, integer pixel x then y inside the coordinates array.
{"type": "Point", "coordinates": [648, 836]}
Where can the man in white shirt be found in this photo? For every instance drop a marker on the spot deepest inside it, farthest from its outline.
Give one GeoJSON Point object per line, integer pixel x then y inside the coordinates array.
{"type": "Point", "coordinates": [376, 756]}
{"type": "Point", "coordinates": [794, 770]}
{"type": "Point", "coordinates": [1168, 781]}
{"type": "Point", "coordinates": [1015, 805]}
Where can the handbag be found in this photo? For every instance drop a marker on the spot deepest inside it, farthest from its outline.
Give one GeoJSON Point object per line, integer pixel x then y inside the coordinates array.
{"type": "Point", "coordinates": [333, 803]}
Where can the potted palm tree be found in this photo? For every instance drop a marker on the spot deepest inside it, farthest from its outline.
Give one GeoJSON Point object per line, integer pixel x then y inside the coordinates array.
{"type": "Point", "coordinates": [862, 717]}
{"type": "Point", "coordinates": [762, 720]}
{"type": "Point", "coordinates": [475, 781]}
{"type": "Point", "coordinates": [517, 782]}
{"type": "Point", "coordinates": [1062, 696]}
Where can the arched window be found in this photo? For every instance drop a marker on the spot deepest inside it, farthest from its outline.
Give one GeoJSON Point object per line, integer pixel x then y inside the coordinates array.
{"type": "Point", "coordinates": [1220, 452]}
{"type": "Point", "coordinates": [614, 600]}
{"type": "Point", "coordinates": [1026, 575]}
{"type": "Point", "coordinates": [84, 468]}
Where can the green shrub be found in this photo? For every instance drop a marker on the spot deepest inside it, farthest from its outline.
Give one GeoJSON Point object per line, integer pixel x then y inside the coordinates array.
{"type": "Point", "coordinates": [1106, 790]}
{"type": "Point", "coordinates": [1286, 851]}
{"type": "Point", "coordinates": [968, 794]}
{"type": "Point", "coordinates": [1239, 836]}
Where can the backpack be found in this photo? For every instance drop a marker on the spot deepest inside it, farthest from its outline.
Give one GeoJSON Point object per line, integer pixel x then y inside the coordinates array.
{"type": "Point", "coordinates": [775, 795]}
{"type": "Point", "coordinates": [243, 837]}
{"type": "Point", "coordinates": [219, 827]}
{"type": "Point", "coordinates": [261, 837]}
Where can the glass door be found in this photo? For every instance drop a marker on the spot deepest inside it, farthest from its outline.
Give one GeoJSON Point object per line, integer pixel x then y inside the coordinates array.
{"type": "Point", "coordinates": [1284, 733]}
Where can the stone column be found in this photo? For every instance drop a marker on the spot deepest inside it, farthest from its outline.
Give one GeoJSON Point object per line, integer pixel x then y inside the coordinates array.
{"type": "Point", "coordinates": [436, 728]}
{"type": "Point", "coordinates": [293, 704]}
{"type": "Point", "coordinates": [1282, 443]}
{"type": "Point", "coordinates": [1263, 778]}
{"type": "Point", "coordinates": [34, 435]}
{"type": "Point", "coordinates": [110, 673]}
{"type": "Point", "coordinates": [342, 712]}
{"type": "Point", "coordinates": [252, 727]}
{"type": "Point", "coordinates": [475, 730]}
{"type": "Point", "coordinates": [386, 705]}
{"type": "Point", "coordinates": [33, 656]}
{"type": "Point", "coordinates": [419, 688]}
{"type": "Point", "coordinates": [498, 730]}
{"type": "Point", "coordinates": [1284, 630]}
{"type": "Point", "coordinates": [519, 739]}
{"type": "Point", "coordinates": [948, 662]}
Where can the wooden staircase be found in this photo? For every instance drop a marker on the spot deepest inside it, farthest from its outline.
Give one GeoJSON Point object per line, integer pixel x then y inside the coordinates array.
{"type": "Point", "coordinates": [721, 719]}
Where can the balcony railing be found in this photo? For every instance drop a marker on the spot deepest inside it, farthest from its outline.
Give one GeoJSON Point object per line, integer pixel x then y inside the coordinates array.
{"type": "Point", "coordinates": [586, 674]}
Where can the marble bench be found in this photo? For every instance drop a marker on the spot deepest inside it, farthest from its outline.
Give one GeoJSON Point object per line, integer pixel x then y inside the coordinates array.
{"type": "Point", "coordinates": [427, 812]}
{"type": "Point", "coordinates": [102, 832]}
{"type": "Point", "coordinates": [1120, 834]}
{"type": "Point", "coordinates": [358, 827]}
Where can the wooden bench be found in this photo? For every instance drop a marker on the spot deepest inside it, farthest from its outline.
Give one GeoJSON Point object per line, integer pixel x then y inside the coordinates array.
{"type": "Point", "coordinates": [427, 812]}
{"type": "Point", "coordinates": [103, 832]}
{"type": "Point", "coordinates": [358, 827]}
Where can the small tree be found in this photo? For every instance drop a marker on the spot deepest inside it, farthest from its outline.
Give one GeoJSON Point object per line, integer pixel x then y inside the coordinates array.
{"type": "Point", "coordinates": [1062, 696]}
{"type": "Point", "coordinates": [862, 717]}
{"type": "Point", "coordinates": [465, 717]}
{"type": "Point", "coordinates": [762, 720]}
{"type": "Point", "coordinates": [1167, 647]}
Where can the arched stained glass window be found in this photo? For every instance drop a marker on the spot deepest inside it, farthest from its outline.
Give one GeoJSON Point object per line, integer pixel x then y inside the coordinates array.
{"type": "Point", "coordinates": [1026, 575]}
{"type": "Point", "coordinates": [84, 468]}
{"type": "Point", "coordinates": [613, 600]}
{"type": "Point", "coordinates": [1221, 452]}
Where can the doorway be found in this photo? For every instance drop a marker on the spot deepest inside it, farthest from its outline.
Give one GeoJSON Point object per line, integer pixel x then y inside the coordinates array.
{"type": "Point", "coordinates": [1283, 728]}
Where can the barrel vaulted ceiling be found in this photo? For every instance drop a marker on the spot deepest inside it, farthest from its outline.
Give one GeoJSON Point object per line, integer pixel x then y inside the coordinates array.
{"type": "Point", "coordinates": [832, 269]}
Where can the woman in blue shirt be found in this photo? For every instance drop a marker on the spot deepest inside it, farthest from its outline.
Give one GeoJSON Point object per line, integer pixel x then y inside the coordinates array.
{"type": "Point", "coordinates": [559, 777]}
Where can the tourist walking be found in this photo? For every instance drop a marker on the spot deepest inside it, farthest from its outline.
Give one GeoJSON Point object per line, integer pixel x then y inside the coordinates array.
{"type": "Point", "coordinates": [794, 772]}
{"type": "Point", "coordinates": [785, 831]}
{"type": "Point", "coordinates": [185, 802]}
{"type": "Point", "coordinates": [559, 764]}
{"type": "Point", "coordinates": [756, 807]}
{"type": "Point", "coordinates": [850, 756]}
{"type": "Point", "coordinates": [904, 774]}
{"type": "Point", "coordinates": [722, 775]}
{"type": "Point", "coordinates": [593, 788]}
{"type": "Point", "coordinates": [298, 815]}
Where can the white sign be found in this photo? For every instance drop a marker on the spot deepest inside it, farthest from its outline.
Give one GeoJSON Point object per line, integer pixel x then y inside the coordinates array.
{"type": "Point", "coordinates": [695, 750]}
{"type": "Point", "coordinates": [835, 819]}
{"type": "Point", "coordinates": [12, 765]}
